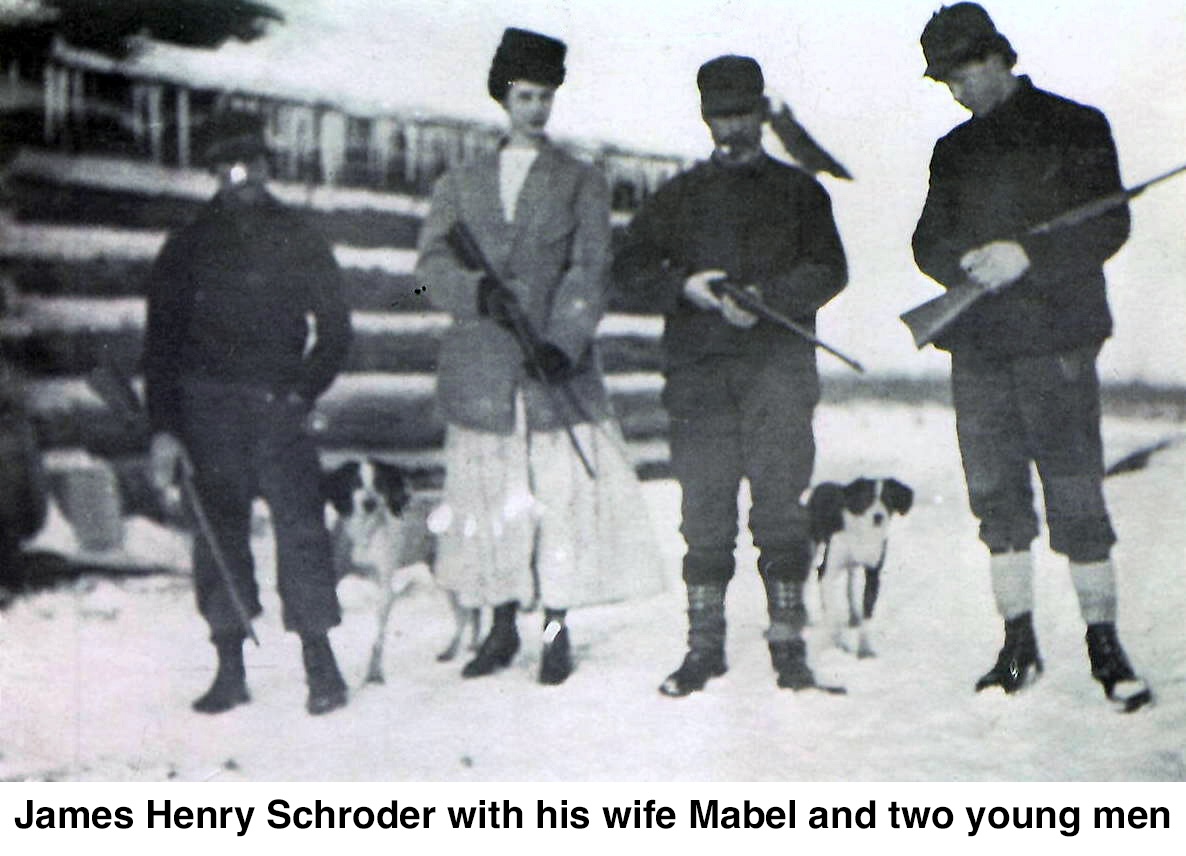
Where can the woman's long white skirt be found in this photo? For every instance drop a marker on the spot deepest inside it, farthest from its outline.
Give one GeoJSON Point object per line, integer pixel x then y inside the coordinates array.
{"type": "Point", "coordinates": [522, 520]}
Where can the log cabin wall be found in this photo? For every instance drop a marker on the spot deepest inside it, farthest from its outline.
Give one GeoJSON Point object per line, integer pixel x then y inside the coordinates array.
{"type": "Point", "coordinates": [89, 200]}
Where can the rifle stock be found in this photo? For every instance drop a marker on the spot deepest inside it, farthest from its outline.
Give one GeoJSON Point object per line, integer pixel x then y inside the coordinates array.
{"type": "Point", "coordinates": [928, 320]}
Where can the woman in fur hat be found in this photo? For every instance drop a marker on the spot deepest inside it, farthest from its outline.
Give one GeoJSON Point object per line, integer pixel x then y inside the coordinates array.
{"type": "Point", "coordinates": [541, 503]}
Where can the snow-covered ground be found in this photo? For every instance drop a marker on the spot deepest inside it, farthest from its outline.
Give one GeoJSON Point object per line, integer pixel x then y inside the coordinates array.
{"type": "Point", "coordinates": [96, 677]}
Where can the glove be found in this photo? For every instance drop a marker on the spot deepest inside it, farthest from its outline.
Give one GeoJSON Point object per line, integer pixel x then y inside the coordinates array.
{"type": "Point", "coordinates": [164, 458]}
{"type": "Point", "coordinates": [996, 265]}
{"type": "Point", "coordinates": [497, 302]}
{"type": "Point", "coordinates": [549, 364]}
{"type": "Point", "coordinates": [698, 289]}
{"type": "Point", "coordinates": [735, 315]}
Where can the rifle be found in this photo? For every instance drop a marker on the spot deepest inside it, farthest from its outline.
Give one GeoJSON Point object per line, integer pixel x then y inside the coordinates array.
{"type": "Point", "coordinates": [115, 390]}
{"type": "Point", "coordinates": [927, 320]}
{"type": "Point", "coordinates": [753, 304]}
{"type": "Point", "coordinates": [463, 243]}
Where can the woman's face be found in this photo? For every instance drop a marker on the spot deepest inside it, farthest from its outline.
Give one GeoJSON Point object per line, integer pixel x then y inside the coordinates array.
{"type": "Point", "coordinates": [528, 106]}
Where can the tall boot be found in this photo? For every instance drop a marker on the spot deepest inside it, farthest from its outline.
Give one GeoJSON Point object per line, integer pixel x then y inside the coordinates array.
{"type": "Point", "coordinates": [327, 689]}
{"type": "Point", "coordinates": [784, 638]}
{"type": "Point", "coordinates": [1110, 666]}
{"type": "Point", "coordinates": [499, 648]}
{"type": "Point", "coordinates": [784, 571]}
{"type": "Point", "coordinates": [555, 663]}
{"type": "Point", "coordinates": [706, 641]}
{"type": "Point", "coordinates": [230, 681]}
{"type": "Point", "coordinates": [1018, 663]}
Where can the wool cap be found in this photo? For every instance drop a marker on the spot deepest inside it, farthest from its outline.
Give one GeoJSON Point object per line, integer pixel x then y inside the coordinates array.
{"type": "Point", "coordinates": [730, 85]}
{"type": "Point", "coordinates": [232, 135]}
{"type": "Point", "coordinates": [959, 34]}
{"type": "Point", "coordinates": [524, 55]}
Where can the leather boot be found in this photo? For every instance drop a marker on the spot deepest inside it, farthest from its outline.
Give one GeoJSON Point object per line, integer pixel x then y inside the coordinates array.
{"type": "Point", "coordinates": [230, 681]}
{"type": "Point", "coordinates": [499, 648]}
{"type": "Point", "coordinates": [706, 642]}
{"type": "Point", "coordinates": [555, 664]}
{"type": "Point", "coordinates": [1018, 663]}
{"type": "Point", "coordinates": [327, 689]}
{"type": "Point", "coordinates": [789, 659]}
{"type": "Point", "coordinates": [1110, 666]}
{"type": "Point", "coordinates": [788, 651]}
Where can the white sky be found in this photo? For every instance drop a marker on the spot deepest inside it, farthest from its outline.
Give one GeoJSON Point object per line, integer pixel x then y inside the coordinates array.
{"type": "Point", "coordinates": [851, 69]}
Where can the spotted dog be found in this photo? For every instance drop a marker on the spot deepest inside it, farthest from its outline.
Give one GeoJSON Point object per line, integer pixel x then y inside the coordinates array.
{"type": "Point", "coordinates": [851, 522]}
{"type": "Point", "coordinates": [376, 535]}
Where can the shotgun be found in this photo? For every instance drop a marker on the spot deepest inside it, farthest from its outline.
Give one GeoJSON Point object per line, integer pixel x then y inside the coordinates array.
{"type": "Point", "coordinates": [115, 390]}
{"type": "Point", "coordinates": [928, 320]}
{"type": "Point", "coordinates": [753, 304]}
{"type": "Point", "coordinates": [465, 246]}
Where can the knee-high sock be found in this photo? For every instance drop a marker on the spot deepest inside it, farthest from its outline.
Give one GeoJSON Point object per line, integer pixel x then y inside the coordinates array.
{"type": "Point", "coordinates": [1012, 582]}
{"type": "Point", "coordinates": [1095, 585]}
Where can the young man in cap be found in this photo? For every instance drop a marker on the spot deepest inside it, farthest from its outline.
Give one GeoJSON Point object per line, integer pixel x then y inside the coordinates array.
{"type": "Point", "coordinates": [1024, 378]}
{"type": "Point", "coordinates": [740, 391]}
{"type": "Point", "coordinates": [232, 368]}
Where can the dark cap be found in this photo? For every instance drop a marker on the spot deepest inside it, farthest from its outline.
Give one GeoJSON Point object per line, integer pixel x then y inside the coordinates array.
{"type": "Point", "coordinates": [232, 135]}
{"type": "Point", "coordinates": [730, 85]}
{"type": "Point", "coordinates": [959, 34]}
{"type": "Point", "coordinates": [524, 55]}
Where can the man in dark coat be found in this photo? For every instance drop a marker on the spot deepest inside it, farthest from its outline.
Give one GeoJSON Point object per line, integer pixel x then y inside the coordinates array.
{"type": "Point", "coordinates": [1024, 375]}
{"type": "Point", "coordinates": [247, 326]}
{"type": "Point", "coordinates": [740, 391]}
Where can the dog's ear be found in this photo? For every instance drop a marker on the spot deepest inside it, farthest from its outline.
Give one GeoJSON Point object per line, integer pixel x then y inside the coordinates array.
{"type": "Point", "coordinates": [897, 496]}
{"type": "Point", "coordinates": [859, 494]}
{"type": "Point", "coordinates": [392, 484]}
{"type": "Point", "coordinates": [337, 486]}
{"type": "Point", "coordinates": [825, 507]}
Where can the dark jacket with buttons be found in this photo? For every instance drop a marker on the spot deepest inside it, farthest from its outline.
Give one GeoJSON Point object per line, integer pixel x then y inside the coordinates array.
{"type": "Point", "coordinates": [231, 297]}
{"type": "Point", "coordinates": [767, 224]}
{"type": "Point", "coordinates": [1032, 158]}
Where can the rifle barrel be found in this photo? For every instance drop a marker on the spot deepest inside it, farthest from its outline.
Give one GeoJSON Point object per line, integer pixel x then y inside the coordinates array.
{"type": "Point", "coordinates": [748, 302]}
{"type": "Point", "coordinates": [929, 319]}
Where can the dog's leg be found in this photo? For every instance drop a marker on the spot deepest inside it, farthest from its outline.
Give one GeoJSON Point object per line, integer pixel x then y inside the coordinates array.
{"type": "Point", "coordinates": [375, 669]}
{"type": "Point", "coordinates": [460, 620]}
{"type": "Point", "coordinates": [475, 623]}
{"type": "Point", "coordinates": [863, 595]}
{"type": "Point", "coordinates": [833, 602]}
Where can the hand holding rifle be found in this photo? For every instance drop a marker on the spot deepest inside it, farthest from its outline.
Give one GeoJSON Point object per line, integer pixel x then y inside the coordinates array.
{"type": "Point", "coordinates": [544, 361]}
{"type": "Point", "coordinates": [170, 463]}
{"type": "Point", "coordinates": [747, 301]}
{"type": "Point", "coordinates": [997, 265]}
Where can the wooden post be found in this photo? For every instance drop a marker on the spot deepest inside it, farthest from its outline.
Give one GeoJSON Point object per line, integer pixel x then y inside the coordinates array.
{"type": "Point", "coordinates": [138, 131]}
{"type": "Point", "coordinates": [183, 127]}
{"type": "Point", "coordinates": [77, 123]}
{"type": "Point", "coordinates": [156, 123]}
{"type": "Point", "coordinates": [49, 91]}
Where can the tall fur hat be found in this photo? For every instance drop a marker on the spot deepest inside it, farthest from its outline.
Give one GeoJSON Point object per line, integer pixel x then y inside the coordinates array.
{"type": "Point", "coordinates": [524, 55]}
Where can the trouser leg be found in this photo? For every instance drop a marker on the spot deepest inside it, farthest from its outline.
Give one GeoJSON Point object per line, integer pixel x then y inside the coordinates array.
{"type": "Point", "coordinates": [217, 435]}
{"type": "Point", "coordinates": [993, 449]}
{"type": "Point", "coordinates": [1059, 402]}
{"type": "Point", "coordinates": [289, 481]}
